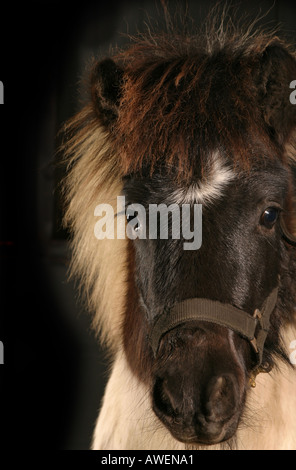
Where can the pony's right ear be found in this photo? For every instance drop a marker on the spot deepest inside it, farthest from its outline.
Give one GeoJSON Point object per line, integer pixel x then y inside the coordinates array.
{"type": "Point", "coordinates": [106, 83]}
{"type": "Point", "coordinates": [278, 70]}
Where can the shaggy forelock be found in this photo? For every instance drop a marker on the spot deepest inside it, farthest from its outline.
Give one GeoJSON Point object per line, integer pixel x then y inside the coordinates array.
{"type": "Point", "coordinates": [169, 112]}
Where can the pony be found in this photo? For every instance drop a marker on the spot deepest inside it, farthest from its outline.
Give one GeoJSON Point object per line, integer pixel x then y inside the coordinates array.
{"type": "Point", "coordinates": [200, 340]}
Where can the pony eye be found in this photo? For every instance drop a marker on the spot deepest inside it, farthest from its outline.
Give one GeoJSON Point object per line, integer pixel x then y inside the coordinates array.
{"type": "Point", "coordinates": [269, 217]}
{"type": "Point", "coordinates": [135, 224]}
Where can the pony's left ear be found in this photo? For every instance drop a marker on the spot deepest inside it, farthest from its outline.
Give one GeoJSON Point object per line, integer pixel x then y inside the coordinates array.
{"type": "Point", "coordinates": [106, 83]}
{"type": "Point", "coordinates": [278, 70]}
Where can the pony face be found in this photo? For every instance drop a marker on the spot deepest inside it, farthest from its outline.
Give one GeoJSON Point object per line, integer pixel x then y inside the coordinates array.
{"type": "Point", "coordinates": [200, 374]}
{"type": "Point", "coordinates": [241, 239]}
{"type": "Point", "coordinates": [178, 121]}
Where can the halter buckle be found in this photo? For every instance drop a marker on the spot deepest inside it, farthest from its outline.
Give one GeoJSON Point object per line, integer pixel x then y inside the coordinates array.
{"type": "Point", "coordinates": [266, 367]}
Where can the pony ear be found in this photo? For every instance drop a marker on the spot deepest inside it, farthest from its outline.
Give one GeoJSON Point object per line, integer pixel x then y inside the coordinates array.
{"type": "Point", "coordinates": [106, 83]}
{"type": "Point", "coordinates": [278, 70]}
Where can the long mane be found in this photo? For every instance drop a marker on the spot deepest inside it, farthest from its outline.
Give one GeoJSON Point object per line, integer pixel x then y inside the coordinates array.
{"type": "Point", "coordinates": [94, 177]}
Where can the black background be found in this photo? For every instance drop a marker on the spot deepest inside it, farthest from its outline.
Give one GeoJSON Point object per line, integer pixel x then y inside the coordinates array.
{"type": "Point", "coordinates": [54, 373]}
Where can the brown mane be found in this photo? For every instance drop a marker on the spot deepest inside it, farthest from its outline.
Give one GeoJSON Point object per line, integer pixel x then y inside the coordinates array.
{"type": "Point", "coordinates": [186, 96]}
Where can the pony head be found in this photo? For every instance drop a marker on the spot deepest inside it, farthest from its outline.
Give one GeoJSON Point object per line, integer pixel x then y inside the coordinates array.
{"type": "Point", "coordinates": [177, 120]}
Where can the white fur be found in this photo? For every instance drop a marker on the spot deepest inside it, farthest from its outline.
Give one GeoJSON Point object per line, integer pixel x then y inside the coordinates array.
{"type": "Point", "coordinates": [211, 186]}
{"type": "Point", "coordinates": [127, 421]}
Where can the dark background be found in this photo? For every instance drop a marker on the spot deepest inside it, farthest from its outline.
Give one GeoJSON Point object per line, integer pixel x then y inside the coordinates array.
{"type": "Point", "coordinates": [54, 373]}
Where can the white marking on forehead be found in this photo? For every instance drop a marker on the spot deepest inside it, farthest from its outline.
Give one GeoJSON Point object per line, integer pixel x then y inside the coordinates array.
{"type": "Point", "coordinates": [210, 187]}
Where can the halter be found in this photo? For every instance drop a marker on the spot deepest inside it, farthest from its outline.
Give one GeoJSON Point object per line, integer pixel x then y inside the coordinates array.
{"type": "Point", "coordinates": [253, 328]}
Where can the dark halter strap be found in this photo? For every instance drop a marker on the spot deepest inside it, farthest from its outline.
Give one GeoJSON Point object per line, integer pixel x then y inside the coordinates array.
{"type": "Point", "coordinates": [253, 328]}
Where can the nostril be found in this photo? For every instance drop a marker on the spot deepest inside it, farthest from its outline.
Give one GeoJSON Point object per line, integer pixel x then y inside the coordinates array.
{"type": "Point", "coordinates": [163, 399]}
{"type": "Point", "coordinates": [169, 397]}
{"type": "Point", "coordinates": [220, 399]}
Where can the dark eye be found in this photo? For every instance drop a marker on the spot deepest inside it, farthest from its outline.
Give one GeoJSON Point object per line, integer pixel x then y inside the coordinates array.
{"type": "Point", "coordinates": [269, 217]}
{"type": "Point", "coordinates": [135, 224]}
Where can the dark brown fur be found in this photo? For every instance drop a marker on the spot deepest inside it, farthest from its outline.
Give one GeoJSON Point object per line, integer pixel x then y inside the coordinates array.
{"type": "Point", "coordinates": [181, 97]}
